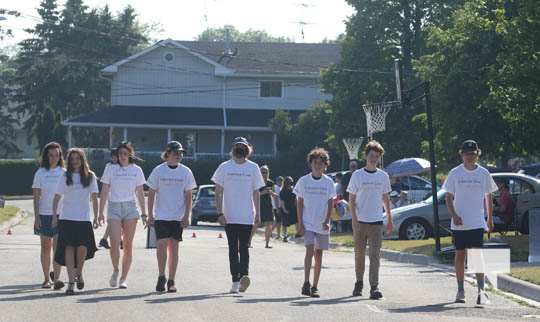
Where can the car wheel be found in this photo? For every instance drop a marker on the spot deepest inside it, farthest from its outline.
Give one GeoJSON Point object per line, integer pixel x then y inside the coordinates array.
{"type": "Point", "coordinates": [194, 222]}
{"type": "Point", "coordinates": [414, 229]}
{"type": "Point", "coordinates": [524, 227]}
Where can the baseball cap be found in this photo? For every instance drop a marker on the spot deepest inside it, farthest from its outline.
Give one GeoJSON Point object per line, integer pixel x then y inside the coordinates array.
{"type": "Point", "coordinates": [174, 146]}
{"type": "Point", "coordinates": [469, 146]}
{"type": "Point", "coordinates": [240, 140]}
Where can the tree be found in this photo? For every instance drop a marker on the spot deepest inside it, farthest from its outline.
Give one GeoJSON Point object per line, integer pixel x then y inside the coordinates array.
{"type": "Point", "coordinates": [485, 78]}
{"type": "Point", "coordinates": [378, 33]}
{"type": "Point", "coordinates": [49, 127]}
{"type": "Point", "coordinates": [251, 35]}
{"type": "Point", "coordinates": [59, 66]}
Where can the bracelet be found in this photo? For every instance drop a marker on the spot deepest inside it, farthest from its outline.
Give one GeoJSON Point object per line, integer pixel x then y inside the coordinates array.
{"type": "Point", "coordinates": [220, 214]}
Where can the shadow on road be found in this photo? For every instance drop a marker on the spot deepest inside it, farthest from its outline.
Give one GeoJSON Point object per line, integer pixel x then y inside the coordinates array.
{"type": "Point", "coordinates": [271, 300]}
{"type": "Point", "coordinates": [338, 300]}
{"type": "Point", "coordinates": [114, 297]}
{"type": "Point", "coordinates": [432, 308]}
{"type": "Point", "coordinates": [200, 297]}
{"type": "Point", "coordinates": [46, 294]}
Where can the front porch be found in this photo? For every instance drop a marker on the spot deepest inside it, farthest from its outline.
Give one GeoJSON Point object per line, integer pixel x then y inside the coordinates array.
{"type": "Point", "coordinates": [202, 131]}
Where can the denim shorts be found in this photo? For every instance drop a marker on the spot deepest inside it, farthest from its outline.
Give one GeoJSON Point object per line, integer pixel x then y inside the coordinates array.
{"type": "Point", "coordinates": [46, 229]}
{"type": "Point", "coordinates": [122, 210]}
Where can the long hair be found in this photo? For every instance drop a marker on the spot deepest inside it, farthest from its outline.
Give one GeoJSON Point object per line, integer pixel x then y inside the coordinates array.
{"type": "Point", "coordinates": [288, 183]}
{"type": "Point", "coordinates": [131, 151]}
{"type": "Point", "coordinates": [44, 159]}
{"type": "Point", "coordinates": [86, 174]}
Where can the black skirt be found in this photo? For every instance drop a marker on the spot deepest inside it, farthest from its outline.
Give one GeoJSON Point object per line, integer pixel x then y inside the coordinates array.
{"type": "Point", "coordinates": [74, 233]}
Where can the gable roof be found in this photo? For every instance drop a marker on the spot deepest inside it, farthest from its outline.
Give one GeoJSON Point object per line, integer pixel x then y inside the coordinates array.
{"type": "Point", "coordinates": [252, 57]}
{"type": "Point", "coordinates": [270, 57]}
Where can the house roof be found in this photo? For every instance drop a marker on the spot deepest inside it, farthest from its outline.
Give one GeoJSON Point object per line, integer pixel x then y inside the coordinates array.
{"type": "Point", "coordinates": [253, 57]}
{"type": "Point", "coordinates": [269, 57]}
{"type": "Point", "coordinates": [188, 117]}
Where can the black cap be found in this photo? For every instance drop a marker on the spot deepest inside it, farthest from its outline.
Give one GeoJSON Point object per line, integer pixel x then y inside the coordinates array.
{"type": "Point", "coordinates": [240, 140]}
{"type": "Point", "coordinates": [470, 146]}
{"type": "Point", "coordinates": [174, 146]}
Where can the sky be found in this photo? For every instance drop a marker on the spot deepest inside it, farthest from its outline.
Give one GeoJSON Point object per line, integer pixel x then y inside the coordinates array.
{"type": "Point", "coordinates": [185, 19]}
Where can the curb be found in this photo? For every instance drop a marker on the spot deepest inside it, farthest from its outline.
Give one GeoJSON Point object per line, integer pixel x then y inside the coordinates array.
{"type": "Point", "coordinates": [519, 287]}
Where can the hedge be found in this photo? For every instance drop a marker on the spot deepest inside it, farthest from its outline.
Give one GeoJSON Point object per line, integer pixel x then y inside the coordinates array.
{"type": "Point", "coordinates": [16, 176]}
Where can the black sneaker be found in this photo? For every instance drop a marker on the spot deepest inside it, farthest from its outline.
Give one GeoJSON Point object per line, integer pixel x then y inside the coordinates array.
{"type": "Point", "coordinates": [357, 289]}
{"type": "Point", "coordinates": [160, 286]}
{"type": "Point", "coordinates": [375, 294]}
{"type": "Point", "coordinates": [58, 285]}
{"type": "Point", "coordinates": [314, 292]}
{"type": "Point", "coordinates": [306, 289]}
{"type": "Point", "coordinates": [104, 243]}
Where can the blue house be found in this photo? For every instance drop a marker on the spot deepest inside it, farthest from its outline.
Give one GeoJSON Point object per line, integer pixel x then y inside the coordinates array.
{"type": "Point", "coordinates": [206, 93]}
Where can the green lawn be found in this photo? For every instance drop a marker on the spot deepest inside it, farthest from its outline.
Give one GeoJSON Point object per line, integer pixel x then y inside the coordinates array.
{"type": "Point", "coordinates": [7, 212]}
{"type": "Point", "coordinates": [529, 274]}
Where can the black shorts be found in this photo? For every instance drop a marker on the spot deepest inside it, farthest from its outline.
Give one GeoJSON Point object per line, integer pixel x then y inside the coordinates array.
{"type": "Point", "coordinates": [168, 229]}
{"type": "Point", "coordinates": [464, 239]}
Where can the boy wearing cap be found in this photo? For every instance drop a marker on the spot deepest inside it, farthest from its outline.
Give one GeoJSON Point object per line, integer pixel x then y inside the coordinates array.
{"type": "Point", "coordinates": [169, 207]}
{"type": "Point", "coordinates": [469, 190]}
{"type": "Point", "coordinates": [238, 205]}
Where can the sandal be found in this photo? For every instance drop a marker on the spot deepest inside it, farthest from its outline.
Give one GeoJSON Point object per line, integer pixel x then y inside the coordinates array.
{"type": "Point", "coordinates": [80, 282]}
{"type": "Point", "coordinates": [170, 286]}
{"type": "Point", "coordinates": [70, 290]}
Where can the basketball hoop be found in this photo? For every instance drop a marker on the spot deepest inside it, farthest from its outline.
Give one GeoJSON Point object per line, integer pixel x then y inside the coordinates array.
{"type": "Point", "coordinates": [376, 116]}
{"type": "Point", "coordinates": [353, 146]}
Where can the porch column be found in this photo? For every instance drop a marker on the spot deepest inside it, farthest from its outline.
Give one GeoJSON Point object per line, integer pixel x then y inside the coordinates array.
{"type": "Point", "coordinates": [275, 144]}
{"type": "Point", "coordinates": [169, 135]}
{"type": "Point", "coordinates": [222, 142]}
{"type": "Point", "coordinates": [125, 134]}
{"type": "Point", "coordinates": [110, 137]}
{"type": "Point", "coordinates": [70, 137]}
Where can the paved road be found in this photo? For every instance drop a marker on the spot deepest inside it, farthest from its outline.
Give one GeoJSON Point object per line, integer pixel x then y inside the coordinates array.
{"type": "Point", "coordinates": [412, 293]}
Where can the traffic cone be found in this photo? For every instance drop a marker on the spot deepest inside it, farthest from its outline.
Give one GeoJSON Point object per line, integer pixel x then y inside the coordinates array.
{"type": "Point", "coordinates": [194, 235]}
{"type": "Point", "coordinates": [220, 235]}
{"type": "Point", "coordinates": [9, 231]}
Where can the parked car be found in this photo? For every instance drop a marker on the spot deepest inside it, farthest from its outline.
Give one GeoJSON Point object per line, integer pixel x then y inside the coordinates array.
{"type": "Point", "coordinates": [204, 205]}
{"type": "Point", "coordinates": [417, 188]}
{"type": "Point", "coordinates": [532, 170]}
{"type": "Point", "coordinates": [416, 221]}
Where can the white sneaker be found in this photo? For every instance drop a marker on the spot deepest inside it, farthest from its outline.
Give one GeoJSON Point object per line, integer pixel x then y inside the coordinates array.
{"type": "Point", "coordinates": [123, 284]}
{"type": "Point", "coordinates": [235, 288]}
{"type": "Point", "coordinates": [244, 283]}
{"type": "Point", "coordinates": [482, 299]}
{"type": "Point", "coordinates": [114, 279]}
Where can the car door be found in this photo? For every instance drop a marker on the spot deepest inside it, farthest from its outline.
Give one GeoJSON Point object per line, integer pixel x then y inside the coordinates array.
{"type": "Point", "coordinates": [525, 193]}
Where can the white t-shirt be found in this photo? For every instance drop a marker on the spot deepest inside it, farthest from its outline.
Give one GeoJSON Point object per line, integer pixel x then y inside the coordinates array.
{"type": "Point", "coordinates": [369, 189]}
{"type": "Point", "coordinates": [47, 181]}
{"type": "Point", "coordinates": [76, 198]}
{"type": "Point", "coordinates": [469, 189]}
{"type": "Point", "coordinates": [170, 186]}
{"type": "Point", "coordinates": [239, 181]}
{"type": "Point", "coordinates": [316, 194]}
{"type": "Point", "coordinates": [123, 181]}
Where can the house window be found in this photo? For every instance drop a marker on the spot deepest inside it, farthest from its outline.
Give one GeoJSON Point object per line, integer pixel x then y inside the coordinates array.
{"type": "Point", "coordinates": [271, 89]}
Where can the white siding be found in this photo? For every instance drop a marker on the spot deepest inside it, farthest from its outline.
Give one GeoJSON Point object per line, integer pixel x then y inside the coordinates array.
{"type": "Point", "coordinates": [188, 81]}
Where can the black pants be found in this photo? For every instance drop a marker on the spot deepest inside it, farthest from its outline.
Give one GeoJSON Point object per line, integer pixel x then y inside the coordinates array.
{"type": "Point", "coordinates": [238, 237]}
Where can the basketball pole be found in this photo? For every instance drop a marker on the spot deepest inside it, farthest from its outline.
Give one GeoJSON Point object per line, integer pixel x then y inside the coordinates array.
{"type": "Point", "coordinates": [407, 98]}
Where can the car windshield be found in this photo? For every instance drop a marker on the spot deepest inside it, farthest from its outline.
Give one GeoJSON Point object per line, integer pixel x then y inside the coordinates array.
{"type": "Point", "coordinates": [440, 196]}
{"type": "Point", "coordinates": [207, 192]}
